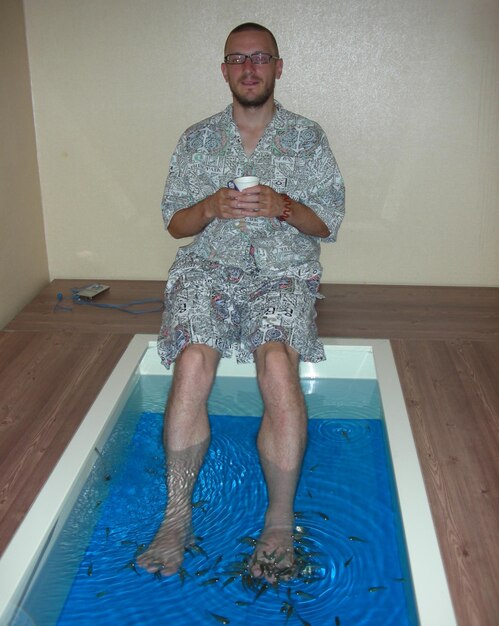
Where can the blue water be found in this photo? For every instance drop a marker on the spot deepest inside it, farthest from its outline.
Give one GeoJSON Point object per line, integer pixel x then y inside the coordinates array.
{"type": "Point", "coordinates": [345, 507]}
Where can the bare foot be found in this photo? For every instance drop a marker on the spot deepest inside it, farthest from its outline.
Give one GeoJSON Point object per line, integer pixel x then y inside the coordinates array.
{"type": "Point", "coordinates": [165, 554]}
{"type": "Point", "coordinates": [273, 558]}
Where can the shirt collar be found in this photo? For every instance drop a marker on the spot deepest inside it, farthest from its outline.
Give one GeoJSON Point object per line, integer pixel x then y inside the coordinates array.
{"type": "Point", "coordinates": [278, 117]}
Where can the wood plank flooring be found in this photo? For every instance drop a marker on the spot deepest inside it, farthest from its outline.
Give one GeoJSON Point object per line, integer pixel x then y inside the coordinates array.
{"type": "Point", "coordinates": [446, 346]}
{"type": "Point", "coordinates": [452, 393]}
{"type": "Point", "coordinates": [48, 382]}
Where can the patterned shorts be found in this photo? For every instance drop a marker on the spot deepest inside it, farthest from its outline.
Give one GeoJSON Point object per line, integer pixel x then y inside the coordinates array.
{"type": "Point", "coordinates": [230, 309]}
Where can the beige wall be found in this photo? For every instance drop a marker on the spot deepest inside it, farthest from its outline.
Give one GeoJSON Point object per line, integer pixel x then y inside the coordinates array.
{"type": "Point", "coordinates": [23, 257]}
{"type": "Point", "coordinates": [406, 90]}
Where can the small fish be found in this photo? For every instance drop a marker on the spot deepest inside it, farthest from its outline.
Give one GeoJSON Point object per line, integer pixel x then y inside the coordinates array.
{"type": "Point", "coordinates": [345, 435]}
{"type": "Point", "coordinates": [220, 618]}
{"type": "Point", "coordinates": [248, 582]}
{"type": "Point", "coordinates": [234, 573]}
{"type": "Point", "coordinates": [262, 590]}
{"type": "Point", "coordinates": [374, 589]}
{"type": "Point", "coordinates": [229, 581]}
{"type": "Point", "coordinates": [128, 542]}
{"type": "Point", "coordinates": [286, 570]}
{"type": "Point", "coordinates": [140, 548]}
{"type": "Point", "coordinates": [197, 548]}
{"type": "Point", "coordinates": [272, 556]}
{"type": "Point", "coordinates": [348, 561]}
{"type": "Point", "coordinates": [209, 581]}
{"type": "Point", "coordinates": [299, 514]}
{"type": "Point", "coordinates": [354, 538]}
{"type": "Point", "coordinates": [337, 621]}
{"type": "Point", "coordinates": [90, 569]}
{"type": "Point", "coordinates": [304, 541]}
{"type": "Point", "coordinates": [399, 580]}
{"type": "Point", "coordinates": [237, 565]}
{"type": "Point", "coordinates": [323, 515]}
{"type": "Point", "coordinates": [202, 572]}
{"type": "Point", "coordinates": [250, 541]}
{"type": "Point", "coordinates": [131, 565]}
{"type": "Point", "coordinates": [218, 560]}
{"type": "Point", "coordinates": [305, 595]}
{"type": "Point", "coordinates": [108, 532]}
{"type": "Point", "coordinates": [182, 574]}
{"type": "Point", "coordinates": [242, 603]}
{"type": "Point", "coordinates": [199, 504]}
{"type": "Point", "coordinates": [313, 468]}
{"type": "Point", "coordinates": [285, 606]}
{"type": "Point", "coordinates": [106, 476]}
{"type": "Point", "coordinates": [309, 493]}
{"type": "Point", "coordinates": [101, 594]}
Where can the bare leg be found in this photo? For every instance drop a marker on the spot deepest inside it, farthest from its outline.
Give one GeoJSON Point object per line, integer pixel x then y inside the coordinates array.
{"type": "Point", "coordinates": [281, 445]}
{"type": "Point", "coordinates": [186, 439]}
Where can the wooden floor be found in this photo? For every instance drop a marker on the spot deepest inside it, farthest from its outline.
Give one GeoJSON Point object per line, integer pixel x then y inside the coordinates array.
{"type": "Point", "coordinates": [446, 346]}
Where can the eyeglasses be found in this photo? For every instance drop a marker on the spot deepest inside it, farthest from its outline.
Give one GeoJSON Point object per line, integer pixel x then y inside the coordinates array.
{"type": "Point", "coordinates": [257, 58]}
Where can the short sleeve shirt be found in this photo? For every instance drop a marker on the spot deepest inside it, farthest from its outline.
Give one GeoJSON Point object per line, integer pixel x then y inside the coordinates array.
{"type": "Point", "coordinates": [292, 156]}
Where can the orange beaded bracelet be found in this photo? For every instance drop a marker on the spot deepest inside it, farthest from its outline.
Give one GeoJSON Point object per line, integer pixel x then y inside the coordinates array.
{"type": "Point", "coordinates": [286, 212]}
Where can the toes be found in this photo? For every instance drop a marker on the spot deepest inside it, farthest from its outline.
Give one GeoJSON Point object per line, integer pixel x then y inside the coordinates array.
{"type": "Point", "coordinates": [164, 563]}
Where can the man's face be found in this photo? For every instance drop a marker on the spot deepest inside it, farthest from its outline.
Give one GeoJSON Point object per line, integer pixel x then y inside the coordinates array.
{"type": "Point", "coordinates": [251, 85]}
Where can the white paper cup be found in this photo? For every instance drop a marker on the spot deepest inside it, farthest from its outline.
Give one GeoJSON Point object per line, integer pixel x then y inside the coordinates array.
{"type": "Point", "coordinates": [243, 182]}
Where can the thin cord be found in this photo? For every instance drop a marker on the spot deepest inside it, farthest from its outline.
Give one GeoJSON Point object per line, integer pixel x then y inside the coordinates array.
{"type": "Point", "coordinates": [127, 307]}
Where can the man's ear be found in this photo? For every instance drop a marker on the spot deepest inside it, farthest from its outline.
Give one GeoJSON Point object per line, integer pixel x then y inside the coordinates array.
{"type": "Point", "coordinates": [278, 68]}
{"type": "Point", "coordinates": [223, 67]}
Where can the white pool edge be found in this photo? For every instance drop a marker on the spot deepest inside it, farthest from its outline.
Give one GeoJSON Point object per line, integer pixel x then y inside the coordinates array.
{"type": "Point", "coordinates": [430, 584]}
{"type": "Point", "coordinates": [34, 532]}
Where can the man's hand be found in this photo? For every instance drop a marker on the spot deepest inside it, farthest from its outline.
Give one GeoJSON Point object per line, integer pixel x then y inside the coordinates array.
{"type": "Point", "coordinates": [257, 201]}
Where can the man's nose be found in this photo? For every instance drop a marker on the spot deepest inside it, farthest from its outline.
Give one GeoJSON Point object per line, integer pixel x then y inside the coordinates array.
{"type": "Point", "coordinates": [249, 61]}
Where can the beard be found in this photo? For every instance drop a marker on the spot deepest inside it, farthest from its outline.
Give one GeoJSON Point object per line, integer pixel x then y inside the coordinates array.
{"type": "Point", "coordinates": [255, 101]}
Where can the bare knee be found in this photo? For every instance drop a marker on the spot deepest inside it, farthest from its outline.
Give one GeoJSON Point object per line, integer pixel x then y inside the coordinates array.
{"type": "Point", "coordinates": [196, 367]}
{"type": "Point", "coordinates": [276, 363]}
{"type": "Point", "coordinates": [279, 382]}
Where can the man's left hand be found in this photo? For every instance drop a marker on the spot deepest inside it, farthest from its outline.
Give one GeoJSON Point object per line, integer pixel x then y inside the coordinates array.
{"type": "Point", "coordinates": [259, 201]}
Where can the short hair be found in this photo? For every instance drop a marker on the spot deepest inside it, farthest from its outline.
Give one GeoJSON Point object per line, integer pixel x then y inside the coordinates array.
{"type": "Point", "coordinates": [252, 26]}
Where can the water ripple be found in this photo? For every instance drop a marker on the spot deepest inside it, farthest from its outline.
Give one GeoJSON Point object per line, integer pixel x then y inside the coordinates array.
{"type": "Point", "coordinates": [345, 536]}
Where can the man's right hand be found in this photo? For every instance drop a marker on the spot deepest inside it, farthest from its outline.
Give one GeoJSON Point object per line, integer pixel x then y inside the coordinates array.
{"type": "Point", "coordinates": [233, 204]}
{"type": "Point", "coordinates": [224, 204]}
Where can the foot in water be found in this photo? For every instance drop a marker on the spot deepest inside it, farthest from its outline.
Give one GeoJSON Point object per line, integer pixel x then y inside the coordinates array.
{"type": "Point", "coordinates": [165, 554]}
{"type": "Point", "coordinates": [273, 558]}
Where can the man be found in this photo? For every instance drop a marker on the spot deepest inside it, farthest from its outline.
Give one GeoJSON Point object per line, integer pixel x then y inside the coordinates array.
{"type": "Point", "coordinates": [247, 283]}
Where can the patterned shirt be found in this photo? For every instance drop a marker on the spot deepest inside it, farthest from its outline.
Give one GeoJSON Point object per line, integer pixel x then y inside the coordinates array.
{"type": "Point", "coordinates": [292, 156]}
